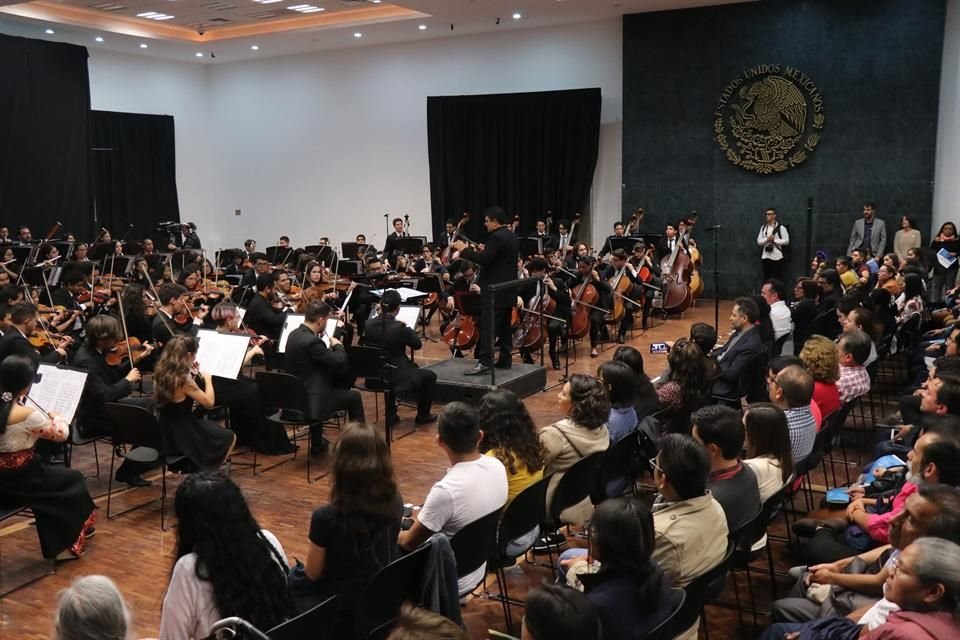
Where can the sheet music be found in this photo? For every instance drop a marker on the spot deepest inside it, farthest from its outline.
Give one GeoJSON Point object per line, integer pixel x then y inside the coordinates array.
{"type": "Point", "coordinates": [407, 315]}
{"type": "Point", "coordinates": [241, 312]}
{"type": "Point", "coordinates": [406, 293]}
{"type": "Point", "coordinates": [221, 354]}
{"type": "Point", "coordinates": [59, 390]}
{"type": "Point", "coordinates": [292, 321]}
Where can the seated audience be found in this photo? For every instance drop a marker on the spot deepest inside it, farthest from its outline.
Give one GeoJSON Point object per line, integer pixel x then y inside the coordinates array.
{"type": "Point", "coordinates": [861, 319]}
{"type": "Point", "coordinates": [856, 581]}
{"type": "Point", "coordinates": [910, 302]}
{"type": "Point", "coordinates": [582, 432]}
{"type": "Point", "coordinates": [353, 536]}
{"type": "Point", "coordinates": [803, 311]}
{"type": "Point", "coordinates": [92, 608]}
{"type": "Point", "coordinates": [687, 385]}
{"type": "Point", "coordinates": [774, 293]}
{"type": "Point", "coordinates": [825, 323]}
{"type": "Point", "coordinates": [62, 508]}
{"type": "Point", "coordinates": [739, 350]}
{"type": "Point", "coordinates": [226, 565]}
{"type": "Point", "coordinates": [792, 391]}
{"type": "Point", "coordinates": [415, 623]}
{"type": "Point", "coordinates": [554, 612]}
{"type": "Point", "coordinates": [474, 486]}
{"type": "Point", "coordinates": [853, 349]}
{"type": "Point", "coordinates": [834, 539]}
{"type": "Point", "coordinates": [733, 484]}
{"type": "Point", "coordinates": [887, 279]}
{"type": "Point", "coordinates": [690, 525]}
{"type": "Point", "coordinates": [510, 436]}
{"type": "Point", "coordinates": [622, 582]}
{"type": "Point", "coordinates": [645, 399]}
{"type": "Point", "coordinates": [767, 439]}
{"type": "Point", "coordinates": [618, 380]}
{"type": "Point", "coordinates": [820, 358]}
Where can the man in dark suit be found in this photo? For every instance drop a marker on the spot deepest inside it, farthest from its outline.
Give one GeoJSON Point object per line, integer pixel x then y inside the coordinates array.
{"type": "Point", "coordinates": [394, 337]}
{"type": "Point", "coordinates": [389, 248]}
{"type": "Point", "coordinates": [449, 235]}
{"type": "Point", "coordinates": [186, 239]}
{"type": "Point", "coordinates": [668, 242]}
{"type": "Point", "coordinates": [108, 383]}
{"type": "Point", "coordinates": [618, 231]}
{"type": "Point", "coordinates": [498, 263]}
{"type": "Point", "coordinates": [23, 322]}
{"type": "Point", "coordinates": [315, 360]}
{"type": "Point", "coordinates": [262, 316]}
{"type": "Point", "coordinates": [742, 346]}
{"type": "Point", "coordinates": [546, 240]}
{"type": "Point", "coordinates": [803, 312]}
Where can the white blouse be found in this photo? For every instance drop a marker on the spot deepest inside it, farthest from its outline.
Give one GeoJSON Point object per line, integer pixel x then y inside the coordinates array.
{"type": "Point", "coordinates": [22, 435]}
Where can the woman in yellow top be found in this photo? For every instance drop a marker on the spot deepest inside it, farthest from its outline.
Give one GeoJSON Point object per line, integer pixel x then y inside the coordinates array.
{"type": "Point", "coordinates": [510, 436]}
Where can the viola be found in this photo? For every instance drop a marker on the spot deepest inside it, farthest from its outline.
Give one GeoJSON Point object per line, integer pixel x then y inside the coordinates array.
{"type": "Point", "coordinates": [117, 355]}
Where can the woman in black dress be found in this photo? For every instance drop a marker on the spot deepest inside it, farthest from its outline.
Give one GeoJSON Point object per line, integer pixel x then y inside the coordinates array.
{"type": "Point", "coordinates": [58, 497]}
{"type": "Point", "coordinates": [206, 444]}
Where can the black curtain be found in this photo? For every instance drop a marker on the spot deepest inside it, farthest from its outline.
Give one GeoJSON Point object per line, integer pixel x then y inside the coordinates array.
{"type": "Point", "coordinates": [133, 164]}
{"type": "Point", "coordinates": [526, 152]}
{"type": "Point", "coordinates": [44, 141]}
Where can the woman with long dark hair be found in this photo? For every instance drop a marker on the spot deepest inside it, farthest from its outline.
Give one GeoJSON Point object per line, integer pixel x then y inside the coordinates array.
{"type": "Point", "coordinates": [645, 399]}
{"type": "Point", "coordinates": [206, 444]}
{"type": "Point", "coordinates": [944, 277]}
{"type": "Point", "coordinates": [58, 497]}
{"type": "Point", "coordinates": [139, 324]}
{"type": "Point", "coordinates": [355, 535]}
{"type": "Point", "coordinates": [768, 450]}
{"type": "Point", "coordinates": [226, 564]}
{"type": "Point", "coordinates": [618, 380]}
{"type": "Point", "coordinates": [622, 582]}
{"type": "Point", "coordinates": [910, 302]}
{"type": "Point", "coordinates": [687, 385]}
{"type": "Point", "coordinates": [510, 436]}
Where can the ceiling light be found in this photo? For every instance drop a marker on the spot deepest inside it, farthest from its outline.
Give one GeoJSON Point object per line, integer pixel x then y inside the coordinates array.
{"type": "Point", "coordinates": [376, 1]}
{"type": "Point", "coordinates": [147, 14]}
{"type": "Point", "coordinates": [422, 27]}
{"type": "Point", "coordinates": [358, 35]}
{"type": "Point", "coordinates": [99, 39]}
{"type": "Point", "coordinates": [165, 17]}
{"type": "Point", "coordinates": [255, 47]}
{"type": "Point", "coordinates": [198, 54]}
{"type": "Point", "coordinates": [312, 10]}
{"type": "Point", "coordinates": [50, 32]}
{"type": "Point", "coordinates": [517, 16]}
{"type": "Point", "coordinates": [143, 45]}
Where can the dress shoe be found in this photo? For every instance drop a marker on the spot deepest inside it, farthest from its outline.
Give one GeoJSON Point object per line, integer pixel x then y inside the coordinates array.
{"type": "Point", "coordinates": [425, 419]}
{"type": "Point", "coordinates": [594, 353]}
{"type": "Point", "coordinates": [621, 338]}
{"type": "Point", "coordinates": [527, 359]}
{"type": "Point", "coordinates": [504, 364]}
{"type": "Point", "coordinates": [556, 363]}
{"type": "Point", "coordinates": [132, 479]}
{"type": "Point", "coordinates": [478, 370]}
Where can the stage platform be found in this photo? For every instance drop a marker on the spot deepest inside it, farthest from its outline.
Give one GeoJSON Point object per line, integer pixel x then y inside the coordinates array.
{"type": "Point", "coordinates": [523, 379]}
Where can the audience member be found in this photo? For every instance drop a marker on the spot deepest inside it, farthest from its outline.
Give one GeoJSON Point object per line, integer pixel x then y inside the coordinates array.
{"type": "Point", "coordinates": [861, 319]}
{"type": "Point", "coordinates": [739, 350]}
{"type": "Point", "coordinates": [910, 302]}
{"type": "Point", "coordinates": [645, 399]}
{"type": "Point", "coordinates": [733, 484]}
{"type": "Point", "coordinates": [415, 623]}
{"type": "Point", "coordinates": [474, 485]}
{"type": "Point", "coordinates": [853, 349]}
{"type": "Point", "coordinates": [226, 565]}
{"type": "Point", "coordinates": [774, 293]}
{"type": "Point", "coordinates": [767, 439]}
{"type": "Point", "coordinates": [792, 391]}
{"type": "Point", "coordinates": [618, 380]}
{"type": "Point", "coordinates": [687, 384]}
{"type": "Point", "coordinates": [92, 608]}
{"type": "Point", "coordinates": [554, 612]}
{"type": "Point", "coordinates": [803, 311]}
{"type": "Point", "coordinates": [820, 358]}
{"type": "Point", "coordinates": [825, 323]}
{"type": "Point", "coordinates": [510, 436]}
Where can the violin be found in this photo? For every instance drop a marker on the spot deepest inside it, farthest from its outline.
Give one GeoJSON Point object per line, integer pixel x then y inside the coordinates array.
{"type": "Point", "coordinates": [117, 355]}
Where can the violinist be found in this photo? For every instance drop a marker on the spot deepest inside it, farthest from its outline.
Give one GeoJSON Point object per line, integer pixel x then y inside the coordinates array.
{"type": "Point", "coordinates": [105, 237]}
{"type": "Point", "coordinates": [147, 248]}
{"type": "Point", "coordinates": [618, 232]}
{"type": "Point", "coordinates": [587, 274]}
{"type": "Point", "coordinates": [23, 324]}
{"type": "Point", "coordinates": [118, 248]}
{"type": "Point", "coordinates": [173, 317]}
{"type": "Point", "coordinates": [315, 286]}
{"type": "Point", "coordinates": [4, 278]}
{"type": "Point", "coordinates": [238, 264]}
{"type": "Point", "coordinates": [80, 252]}
{"type": "Point", "coordinates": [556, 288]}
{"type": "Point", "coordinates": [109, 382]}
{"type": "Point", "coordinates": [74, 296]}
{"type": "Point", "coordinates": [261, 266]}
{"type": "Point", "coordinates": [262, 315]}
{"type": "Point", "coordinates": [284, 299]}
{"type": "Point", "coordinates": [618, 269]}
{"type": "Point", "coordinates": [394, 337]}
{"type": "Point", "coordinates": [240, 395]}
{"type": "Point", "coordinates": [10, 265]}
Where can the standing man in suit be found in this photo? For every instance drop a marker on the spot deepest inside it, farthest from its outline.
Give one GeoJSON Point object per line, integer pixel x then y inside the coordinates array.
{"type": "Point", "coordinates": [743, 344]}
{"type": "Point", "coordinates": [498, 263]}
{"type": "Point", "coordinates": [315, 360]}
{"type": "Point", "coordinates": [868, 232]}
{"type": "Point", "coordinates": [669, 241]}
{"type": "Point", "coordinates": [389, 247]}
{"type": "Point", "coordinates": [394, 337]}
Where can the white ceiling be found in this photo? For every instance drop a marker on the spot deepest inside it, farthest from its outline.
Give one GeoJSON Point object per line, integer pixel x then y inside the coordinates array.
{"type": "Point", "coordinates": [334, 28]}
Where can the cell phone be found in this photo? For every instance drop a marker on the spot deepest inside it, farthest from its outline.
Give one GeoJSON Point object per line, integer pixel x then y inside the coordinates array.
{"type": "Point", "coordinates": [659, 347]}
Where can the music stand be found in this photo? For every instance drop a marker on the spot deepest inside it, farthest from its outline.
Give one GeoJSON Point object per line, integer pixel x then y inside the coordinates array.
{"type": "Point", "coordinates": [65, 248]}
{"type": "Point", "coordinates": [624, 243]}
{"type": "Point", "coordinates": [350, 267]}
{"type": "Point", "coordinates": [407, 246]}
{"type": "Point", "coordinates": [428, 283]}
{"type": "Point", "coordinates": [651, 239]}
{"type": "Point", "coordinates": [349, 250]}
{"type": "Point", "coordinates": [120, 266]}
{"type": "Point", "coordinates": [22, 253]}
{"type": "Point", "coordinates": [531, 246]}
{"type": "Point", "coordinates": [99, 251]}
{"type": "Point", "coordinates": [33, 276]}
{"type": "Point", "coordinates": [132, 248]}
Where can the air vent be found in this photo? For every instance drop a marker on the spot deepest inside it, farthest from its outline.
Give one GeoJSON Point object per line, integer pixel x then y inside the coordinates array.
{"type": "Point", "coordinates": [263, 15]}
{"type": "Point", "coordinates": [107, 6]}
{"type": "Point", "coordinates": [219, 6]}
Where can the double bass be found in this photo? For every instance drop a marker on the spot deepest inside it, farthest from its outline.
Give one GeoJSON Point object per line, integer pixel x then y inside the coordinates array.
{"type": "Point", "coordinates": [676, 269]}
{"type": "Point", "coordinates": [446, 256]}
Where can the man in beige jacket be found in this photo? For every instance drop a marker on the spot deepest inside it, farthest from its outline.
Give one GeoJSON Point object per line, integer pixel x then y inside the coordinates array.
{"type": "Point", "coordinates": [691, 528]}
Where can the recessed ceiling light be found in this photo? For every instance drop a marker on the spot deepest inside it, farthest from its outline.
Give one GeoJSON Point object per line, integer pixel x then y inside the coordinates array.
{"type": "Point", "coordinates": [198, 54]}
{"type": "Point", "coordinates": [143, 45]}
{"type": "Point", "coordinates": [517, 16]}
{"type": "Point", "coordinates": [99, 39]}
{"type": "Point", "coordinates": [255, 47]}
{"type": "Point", "coordinates": [376, 1]}
{"type": "Point", "coordinates": [50, 32]}
{"type": "Point", "coordinates": [358, 35]}
{"type": "Point", "coordinates": [422, 27]}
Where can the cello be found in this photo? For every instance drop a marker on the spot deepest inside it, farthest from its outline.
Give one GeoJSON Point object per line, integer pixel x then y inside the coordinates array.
{"type": "Point", "coordinates": [675, 270]}
{"type": "Point", "coordinates": [531, 334]}
{"type": "Point", "coordinates": [584, 297]}
{"type": "Point", "coordinates": [462, 332]}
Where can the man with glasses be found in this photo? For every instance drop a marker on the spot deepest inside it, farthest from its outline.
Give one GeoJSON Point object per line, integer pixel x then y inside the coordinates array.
{"type": "Point", "coordinates": [792, 390]}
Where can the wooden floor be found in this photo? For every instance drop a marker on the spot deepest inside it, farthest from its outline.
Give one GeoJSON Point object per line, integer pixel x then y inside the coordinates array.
{"type": "Point", "coordinates": [137, 555]}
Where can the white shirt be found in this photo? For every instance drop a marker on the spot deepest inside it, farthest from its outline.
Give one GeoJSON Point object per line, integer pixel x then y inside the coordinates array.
{"type": "Point", "coordinates": [780, 239]}
{"type": "Point", "coordinates": [469, 491]}
{"type": "Point", "coordinates": [782, 323]}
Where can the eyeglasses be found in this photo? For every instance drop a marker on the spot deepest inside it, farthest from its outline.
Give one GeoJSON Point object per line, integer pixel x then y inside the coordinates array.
{"type": "Point", "coordinates": [654, 465]}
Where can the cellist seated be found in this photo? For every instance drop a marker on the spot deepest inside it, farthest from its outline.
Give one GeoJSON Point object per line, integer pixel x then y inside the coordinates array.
{"type": "Point", "coordinates": [624, 285]}
{"type": "Point", "coordinates": [591, 292]}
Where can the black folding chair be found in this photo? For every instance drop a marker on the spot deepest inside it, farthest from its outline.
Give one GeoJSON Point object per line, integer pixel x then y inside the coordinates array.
{"type": "Point", "coordinates": [9, 511]}
{"type": "Point", "coordinates": [398, 582]}
{"type": "Point", "coordinates": [138, 428]}
{"type": "Point", "coordinates": [285, 402]}
{"type": "Point", "coordinates": [313, 624]}
{"type": "Point", "coordinates": [661, 631]}
{"type": "Point", "coordinates": [370, 364]}
{"type": "Point", "coordinates": [77, 439]}
{"type": "Point", "coordinates": [475, 544]}
{"type": "Point", "coordinates": [698, 592]}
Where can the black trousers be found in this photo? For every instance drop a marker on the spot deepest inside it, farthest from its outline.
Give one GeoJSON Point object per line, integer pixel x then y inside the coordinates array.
{"type": "Point", "coordinates": [410, 381]}
{"type": "Point", "coordinates": [323, 406]}
{"type": "Point", "coordinates": [596, 326]}
{"type": "Point", "coordinates": [773, 269]}
{"type": "Point", "coordinates": [501, 333]}
{"type": "Point", "coordinates": [554, 336]}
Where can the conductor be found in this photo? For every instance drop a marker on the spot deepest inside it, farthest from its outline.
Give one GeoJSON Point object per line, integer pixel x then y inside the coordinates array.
{"type": "Point", "coordinates": [497, 258]}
